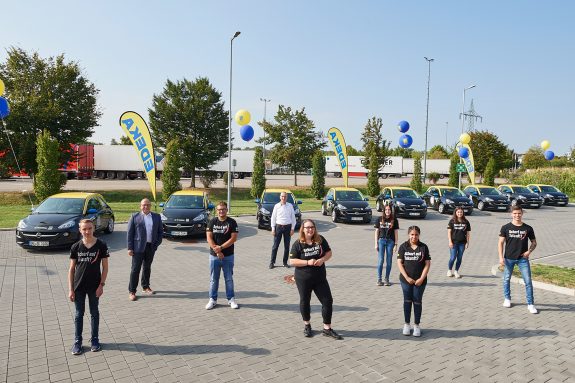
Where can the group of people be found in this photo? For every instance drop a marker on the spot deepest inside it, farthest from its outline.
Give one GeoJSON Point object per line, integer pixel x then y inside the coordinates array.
{"type": "Point", "coordinates": [309, 253]}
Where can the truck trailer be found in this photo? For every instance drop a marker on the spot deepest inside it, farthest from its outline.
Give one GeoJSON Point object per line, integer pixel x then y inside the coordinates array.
{"type": "Point", "coordinates": [393, 167]}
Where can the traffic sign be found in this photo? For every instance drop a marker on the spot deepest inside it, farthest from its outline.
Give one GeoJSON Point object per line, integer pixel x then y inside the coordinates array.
{"type": "Point", "coordinates": [460, 168]}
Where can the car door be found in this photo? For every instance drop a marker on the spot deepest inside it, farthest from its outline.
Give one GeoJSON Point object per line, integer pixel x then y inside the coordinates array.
{"type": "Point", "coordinates": [435, 198]}
{"type": "Point", "coordinates": [94, 204]}
{"type": "Point", "coordinates": [473, 194]}
{"type": "Point", "coordinates": [329, 204]}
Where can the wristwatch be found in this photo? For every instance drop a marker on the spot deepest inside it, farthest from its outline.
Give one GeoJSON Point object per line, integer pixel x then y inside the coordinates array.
{"type": "Point", "coordinates": [102, 284]}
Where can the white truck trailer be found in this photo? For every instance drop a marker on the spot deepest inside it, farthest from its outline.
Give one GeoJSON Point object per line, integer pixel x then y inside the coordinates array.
{"type": "Point", "coordinates": [117, 162]}
{"type": "Point", "coordinates": [433, 166]}
{"type": "Point", "coordinates": [393, 167]}
{"type": "Point", "coordinates": [242, 164]}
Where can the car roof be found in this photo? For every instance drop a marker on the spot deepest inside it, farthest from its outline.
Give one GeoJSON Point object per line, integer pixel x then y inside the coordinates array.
{"type": "Point", "coordinates": [343, 188]}
{"type": "Point", "coordinates": [81, 195]}
{"type": "Point", "coordinates": [480, 186]}
{"type": "Point", "coordinates": [512, 185]}
{"type": "Point", "coordinates": [539, 185]}
{"type": "Point", "coordinates": [399, 188]}
{"type": "Point", "coordinates": [190, 192]}
{"type": "Point", "coordinates": [445, 187]}
{"type": "Point", "coordinates": [277, 191]}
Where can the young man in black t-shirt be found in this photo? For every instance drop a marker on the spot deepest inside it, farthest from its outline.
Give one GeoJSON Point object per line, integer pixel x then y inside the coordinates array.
{"type": "Point", "coordinates": [515, 237]}
{"type": "Point", "coordinates": [86, 279]}
{"type": "Point", "coordinates": [221, 234]}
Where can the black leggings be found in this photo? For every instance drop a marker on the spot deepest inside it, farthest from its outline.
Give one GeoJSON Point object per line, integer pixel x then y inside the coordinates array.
{"type": "Point", "coordinates": [323, 293]}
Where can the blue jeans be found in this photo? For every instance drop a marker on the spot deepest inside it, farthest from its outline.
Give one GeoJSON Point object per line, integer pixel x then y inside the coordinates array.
{"type": "Point", "coordinates": [525, 270]}
{"type": "Point", "coordinates": [384, 245]}
{"type": "Point", "coordinates": [216, 265]}
{"type": "Point", "coordinates": [456, 253]}
{"type": "Point", "coordinates": [80, 303]}
{"type": "Point", "coordinates": [412, 294]}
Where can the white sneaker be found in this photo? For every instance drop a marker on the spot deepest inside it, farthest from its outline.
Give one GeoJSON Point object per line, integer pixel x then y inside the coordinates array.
{"type": "Point", "coordinates": [406, 329]}
{"type": "Point", "coordinates": [233, 304]}
{"type": "Point", "coordinates": [532, 309]}
{"type": "Point", "coordinates": [456, 274]}
{"type": "Point", "coordinates": [416, 330]}
{"type": "Point", "coordinates": [507, 303]}
{"type": "Point", "coordinates": [211, 304]}
{"type": "Point", "coordinates": [449, 273]}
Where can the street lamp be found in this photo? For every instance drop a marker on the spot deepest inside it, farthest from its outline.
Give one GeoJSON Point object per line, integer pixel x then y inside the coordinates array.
{"type": "Point", "coordinates": [265, 101]}
{"type": "Point", "coordinates": [426, 119]}
{"type": "Point", "coordinates": [230, 126]}
{"type": "Point", "coordinates": [463, 122]}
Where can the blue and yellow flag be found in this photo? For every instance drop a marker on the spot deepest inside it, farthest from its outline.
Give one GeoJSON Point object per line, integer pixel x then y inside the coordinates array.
{"type": "Point", "coordinates": [136, 129]}
{"type": "Point", "coordinates": [469, 164]}
{"type": "Point", "coordinates": [340, 149]}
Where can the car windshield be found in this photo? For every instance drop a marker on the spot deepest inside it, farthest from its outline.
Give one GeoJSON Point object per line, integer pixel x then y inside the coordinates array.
{"type": "Point", "coordinates": [452, 193]}
{"type": "Point", "coordinates": [489, 191]}
{"type": "Point", "coordinates": [185, 202]}
{"type": "Point", "coordinates": [548, 189]}
{"type": "Point", "coordinates": [521, 189]}
{"type": "Point", "coordinates": [348, 195]}
{"type": "Point", "coordinates": [61, 206]}
{"type": "Point", "coordinates": [405, 194]}
{"type": "Point", "coordinates": [274, 197]}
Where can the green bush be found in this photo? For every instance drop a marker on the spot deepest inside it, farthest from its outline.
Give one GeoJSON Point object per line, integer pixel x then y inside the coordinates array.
{"type": "Point", "coordinates": [318, 170]}
{"type": "Point", "coordinates": [258, 174]}
{"type": "Point", "coordinates": [433, 177]}
{"type": "Point", "coordinates": [416, 183]}
{"type": "Point", "coordinates": [171, 174]}
{"type": "Point", "coordinates": [48, 180]}
{"type": "Point", "coordinates": [562, 178]}
{"type": "Point", "coordinates": [208, 177]}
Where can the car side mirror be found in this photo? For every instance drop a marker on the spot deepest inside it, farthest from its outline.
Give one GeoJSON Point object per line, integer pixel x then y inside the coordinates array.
{"type": "Point", "coordinates": [92, 211]}
{"type": "Point", "coordinates": [299, 202]}
{"type": "Point", "coordinates": [366, 199]}
{"type": "Point", "coordinates": [211, 206]}
{"type": "Point", "coordinates": [330, 198]}
{"type": "Point", "coordinates": [257, 200]}
{"type": "Point", "coordinates": [162, 204]}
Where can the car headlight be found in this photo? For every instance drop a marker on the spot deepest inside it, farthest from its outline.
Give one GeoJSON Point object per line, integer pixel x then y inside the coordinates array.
{"type": "Point", "coordinates": [447, 200]}
{"type": "Point", "coordinates": [67, 225]}
{"type": "Point", "coordinates": [521, 197]}
{"type": "Point", "coordinates": [548, 196]}
{"type": "Point", "coordinates": [341, 207]}
{"type": "Point", "coordinates": [200, 217]}
{"type": "Point", "coordinates": [424, 204]}
{"type": "Point", "coordinates": [264, 211]}
{"type": "Point", "coordinates": [487, 199]}
{"type": "Point", "coordinates": [163, 217]}
{"type": "Point", "coordinates": [399, 203]}
{"type": "Point", "coordinates": [22, 225]}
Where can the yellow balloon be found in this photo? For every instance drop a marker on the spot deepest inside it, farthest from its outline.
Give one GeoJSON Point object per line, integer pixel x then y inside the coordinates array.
{"type": "Point", "coordinates": [465, 138]}
{"type": "Point", "coordinates": [1, 87]}
{"type": "Point", "coordinates": [545, 144]}
{"type": "Point", "coordinates": [243, 117]}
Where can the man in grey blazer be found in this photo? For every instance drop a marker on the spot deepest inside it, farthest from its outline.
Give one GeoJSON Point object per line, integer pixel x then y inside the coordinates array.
{"type": "Point", "coordinates": [144, 237]}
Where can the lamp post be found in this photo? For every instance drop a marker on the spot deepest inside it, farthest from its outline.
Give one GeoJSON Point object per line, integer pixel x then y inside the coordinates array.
{"type": "Point", "coordinates": [230, 126]}
{"type": "Point", "coordinates": [463, 122]}
{"type": "Point", "coordinates": [265, 101]}
{"type": "Point", "coordinates": [429, 61]}
{"type": "Point", "coordinates": [446, 127]}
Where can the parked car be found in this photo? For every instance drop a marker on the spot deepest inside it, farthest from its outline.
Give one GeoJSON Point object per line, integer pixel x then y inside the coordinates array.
{"type": "Point", "coordinates": [521, 195]}
{"type": "Point", "coordinates": [551, 195]}
{"type": "Point", "coordinates": [266, 206]}
{"type": "Point", "coordinates": [347, 205]}
{"type": "Point", "coordinates": [186, 213]}
{"type": "Point", "coordinates": [54, 223]}
{"type": "Point", "coordinates": [445, 199]}
{"type": "Point", "coordinates": [404, 201]}
{"type": "Point", "coordinates": [486, 197]}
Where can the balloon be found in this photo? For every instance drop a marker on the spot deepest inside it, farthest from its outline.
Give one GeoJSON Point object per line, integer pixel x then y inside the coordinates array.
{"type": "Point", "coordinates": [463, 152]}
{"type": "Point", "coordinates": [549, 155]}
{"type": "Point", "coordinates": [465, 138]}
{"type": "Point", "coordinates": [1, 87]}
{"type": "Point", "coordinates": [247, 132]}
{"type": "Point", "coordinates": [403, 126]}
{"type": "Point", "coordinates": [4, 108]}
{"type": "Point", "coordinates": [243, 117]}
{"type": "Point", "coordinates": [545, 144]}
{"type": "Point", "coordinates": [405, 141]}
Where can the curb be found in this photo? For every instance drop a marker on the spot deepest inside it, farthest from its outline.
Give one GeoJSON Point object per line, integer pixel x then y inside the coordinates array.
{"type": "Point", "coordinates": [536, 284]}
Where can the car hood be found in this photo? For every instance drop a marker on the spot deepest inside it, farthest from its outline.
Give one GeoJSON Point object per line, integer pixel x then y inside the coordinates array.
{"type": "Point", "coordinates": [43, 221]}
{"type": "Point", "coordinates": [554, 194]}
{"type": "Point", "coordinates": [495, 197]}
{"type": "Point", "coordinates": [458, 199]}
{"type": "Point", "coordinates": [528, 195]}
{"type": "Point", "coordinates": [180, 215]}
{"type": "Point", "coordinates": [354, 204]}
{"type": "Point", "coordinates": [411, 201]}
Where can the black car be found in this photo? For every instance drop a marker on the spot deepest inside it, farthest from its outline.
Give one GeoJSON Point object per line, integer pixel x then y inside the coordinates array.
{"type": "Point", "coordinates": [486, 197]}
{"type": "Point", "coordinates": [55, 222]}
{"type": "Point", "coordinates": [446, 198]}
{"type": "Point", "coordinates": [347, 205]}
{"type": "Point", "coordinates": [186, 213]}
{"type": "Point", "coordinates": [521, 195]}
{"type": "Point", "coordinates": [551, 195]}
{"type": "Point", "coordinates": [270, 197]}
{"type": "Point", "coordinates": [404, 201]}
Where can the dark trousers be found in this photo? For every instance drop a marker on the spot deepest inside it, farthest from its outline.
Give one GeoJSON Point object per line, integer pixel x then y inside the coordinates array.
{"type": "Point", "coordinates": [80, 303]}
{"type": "Point", "coordinates": [281, 232]}
{"type": "Point", "coordinates": [412, 295]}
{"type": "Point", "coordinates": [305, 286]}
{"type": "Point", "coordinates": [141, 261]}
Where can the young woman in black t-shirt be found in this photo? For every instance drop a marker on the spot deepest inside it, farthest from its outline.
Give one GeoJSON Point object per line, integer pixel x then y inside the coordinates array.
{"type": "Point", "coordinates": [413, 260]}
{"type": "Point", "coordinates": [309, 254]}
{"type": "Point", "coordinates": [386, 229]}
{"type": "Point", "coordinates": [458, 234]}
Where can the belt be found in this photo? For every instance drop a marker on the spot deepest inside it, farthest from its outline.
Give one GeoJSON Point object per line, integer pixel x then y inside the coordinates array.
{"type": "Point", "coordinates": [289, 224]}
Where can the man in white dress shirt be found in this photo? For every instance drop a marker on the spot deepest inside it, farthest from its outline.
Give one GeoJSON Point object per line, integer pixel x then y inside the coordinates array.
{"type": "Point", "coordinates": [282, 223]}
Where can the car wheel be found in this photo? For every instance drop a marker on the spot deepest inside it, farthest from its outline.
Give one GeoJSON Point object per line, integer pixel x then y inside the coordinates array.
{"type": "Point", "coordinates": [513, 202]}
{"type": "Point", "coordinates": [333, 216]}
{"type": "Point", "coordinates": [481, 205]}
{"type": "Point", "coordinates": [323, 209]}
{"type": "Point", "coordinates": [110, 228]}
{"type": "Point", "coordinates": [470, 212]}
{"type": "Point", "coordinates": [378, 206]}
{"type": "Point", "coordinates": [441, 208]}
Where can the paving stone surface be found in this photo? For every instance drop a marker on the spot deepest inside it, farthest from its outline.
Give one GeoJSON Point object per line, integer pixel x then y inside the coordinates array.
{"type": "Point", "coordinates": [170, 337]}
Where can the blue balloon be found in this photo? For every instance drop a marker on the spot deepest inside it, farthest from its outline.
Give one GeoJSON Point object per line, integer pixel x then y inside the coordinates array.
{"type": "Point", "coordinates": [403, 126]}
{"type": "Point", "coordinates": [463, 152]}
{"type": "Point", "coordinates": [4, 108]}
{"type": "Point", "coordinates": [549, 155]}
{"type": "Point", "coordinates": [405, 141]}
{"type": "Point", "coordinates": [247, 132]}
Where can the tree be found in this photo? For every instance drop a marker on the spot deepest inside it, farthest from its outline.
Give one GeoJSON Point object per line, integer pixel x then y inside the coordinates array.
{"type": "Point", "coordinates": [490, 171]}
{"type": "Point", "coordinates": [373, 187]}
{"type": "Point", "coordinates": [416, 183]}
{"type": "Point", "coordinates": [402, 152]}
{"type": "Point", "coordinates": [351, 151]}
{"type": "Point", "coordinates": [318, 171]}
{"type": "Point", "coordinates": [48, 179]}
{"type": "Point", "coordinates": [533, 158]}
{"type": "Point", "coordinates": [453, 173]}
{"type": "Point", "coordinates": [171, 174]}
{"type": "Point", "coordinates": [438, 152]}
{"type": "Point", "coordinates": [193, 113]}
{"type": "Point", "coordinates": [258, 174]}
{"type": "Point", "coordinates": [46, 94]}
{"type": "Point", "coordinates": [486, 145]}
{"type": "Point", "coordinates": [373, 142]}
{"type": "Point", "coordinates": [295, 139]}
{"type": "Point", "coordinates": [125, 140]}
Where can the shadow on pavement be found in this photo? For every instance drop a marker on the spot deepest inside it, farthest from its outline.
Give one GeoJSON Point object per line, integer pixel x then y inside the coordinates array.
{"type": "Point", "coordinates": [150, 349]}
{"type": "Point", "coordinates": [169, 294]}
{"type": "Point", "coordinates": [431, 333]}
{"type": "Point", "coordinates": [350, 266]}
{"type": "Point", "coordinates": [295, 307]}
{"type": "Point", "coordinates": [457, 283]}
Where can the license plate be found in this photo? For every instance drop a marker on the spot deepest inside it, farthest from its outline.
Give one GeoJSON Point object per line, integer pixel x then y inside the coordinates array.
{"type": "Point", "coordinates": [179, 233]}
{"type": "Point", "coordinates": [357, 218]}
{"type": "Point", "coordinates": [535, 204]}
{"type": "Point", "coordinates": [414, 214]}
{"type": "Point", "coordinates": [502, 207]}
{"type": "Point", "coordinates": [39, 243]}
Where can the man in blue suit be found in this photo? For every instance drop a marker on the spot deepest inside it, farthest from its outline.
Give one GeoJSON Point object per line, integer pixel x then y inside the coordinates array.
{"type": "Point", "coordinates": [144, 237]}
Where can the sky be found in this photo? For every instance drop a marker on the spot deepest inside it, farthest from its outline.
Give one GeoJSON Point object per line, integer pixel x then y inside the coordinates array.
{"type": "Point", "coordinates": [343, 61]}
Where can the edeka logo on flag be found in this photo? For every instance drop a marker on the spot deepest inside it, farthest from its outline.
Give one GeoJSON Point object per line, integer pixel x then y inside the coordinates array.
{"type": "Point", "coordinates": [340, 149]}
{"type": "Point", "coordinates": [136, 129]}
{"type": "Point", "coordinates": [469, 164]}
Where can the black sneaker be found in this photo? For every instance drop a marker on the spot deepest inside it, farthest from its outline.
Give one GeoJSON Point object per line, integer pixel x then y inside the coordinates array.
{"type": "Point", "coordinates": [286, 265]}
{"type": "Point", "coordinates": [95, 345]}
{"type": "Point", "coordinates": [379, 282]}
{"type": "Point", "coordinates": [307, 331]}
{"type": "Point", "coordinates": [77, 348]}
{"type": "Point", "coordinates": [386, 283]}
{"type": "Point", "coordinates": [272, 266]}
{"type": "Point", "coordinates": [331, 333]}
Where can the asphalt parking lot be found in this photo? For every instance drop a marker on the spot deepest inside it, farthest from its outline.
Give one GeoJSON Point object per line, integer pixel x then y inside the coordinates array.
{"type": "Point", "coordinates": [466, 335]}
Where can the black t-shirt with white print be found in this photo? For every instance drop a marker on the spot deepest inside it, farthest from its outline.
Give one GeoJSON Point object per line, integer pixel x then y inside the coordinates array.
{"type": "Point", "coordinates": [459, 230]}
{"type": "Point", "coordinates": [306, 252]}
{"type": "Point", "coordinates": [222, 232]}
{"type": "Point", "coordinates": [516, 239]}
{"type": "Point", "coordinates": [87, 273]}
{"type": "Point", "coordinates": [386, 228]}
{"type": "Point", "coordinates": [413, 259]}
